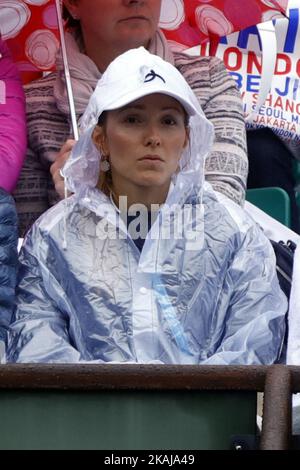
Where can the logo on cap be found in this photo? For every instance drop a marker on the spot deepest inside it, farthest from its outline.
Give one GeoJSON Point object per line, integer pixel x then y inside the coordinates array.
{"type": "Point", "coordinates": [152, 75]}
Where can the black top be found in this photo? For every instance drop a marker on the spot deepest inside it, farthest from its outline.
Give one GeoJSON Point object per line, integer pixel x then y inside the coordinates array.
{"type": "Point", "coordinates": [137, 232]}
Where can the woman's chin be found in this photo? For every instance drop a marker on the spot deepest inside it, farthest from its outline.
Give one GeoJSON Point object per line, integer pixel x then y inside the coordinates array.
{"type": "Point", "coordinates": [154, 181]}
{"type": "Point", "coordinates": [136, 37]}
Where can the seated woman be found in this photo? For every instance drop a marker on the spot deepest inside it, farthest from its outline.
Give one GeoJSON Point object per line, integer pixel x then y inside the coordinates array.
{"type": "Point", "coordinates": [12, 121]}
{"type": "Point", "coordinates": [12, 152]}
{"type": "Point", "coordinates": [145, 263]}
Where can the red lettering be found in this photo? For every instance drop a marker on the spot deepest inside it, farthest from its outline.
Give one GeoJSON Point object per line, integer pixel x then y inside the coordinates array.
{"type": "Point", "coordinates": [235, 54]}
{"type": "Point", "coordinates": [203, 49]}
{"type": "Point", "coordinates": [261, 120]}
{"type": "Point", "coordinates": [278, 103]}
{"type": "Point", "coordinates": [298, 68]}
{"type": "Point", "coordinates": [287, 63]}
{"type": "Point", "coordinates": [253, 60]}
{"type": "Point", "coordinates": [289, 106]}
{"type": "Point", "coordinates": [269, 101]}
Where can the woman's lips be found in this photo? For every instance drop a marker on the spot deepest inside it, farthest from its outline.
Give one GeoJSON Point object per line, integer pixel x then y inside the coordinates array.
{"type": "Point", "coordinates": [152, 158]}
{"type": "Point", "coordinates": [135, 18]}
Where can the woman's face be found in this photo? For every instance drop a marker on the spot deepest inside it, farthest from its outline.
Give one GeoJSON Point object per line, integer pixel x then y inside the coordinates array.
{"type": "Point", "coordinates": [144, 141]}
{"type": "Point", "coordinates": [131, 23]}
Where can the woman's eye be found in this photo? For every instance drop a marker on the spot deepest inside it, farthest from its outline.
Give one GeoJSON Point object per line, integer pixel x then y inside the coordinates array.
{"type": "Point", "coordinates": [132, 119]}
{"type": "Point", "coordinates": [169, 121]}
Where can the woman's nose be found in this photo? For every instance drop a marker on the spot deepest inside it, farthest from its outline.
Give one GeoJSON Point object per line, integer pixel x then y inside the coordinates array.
{"type": "Point", "coordinates": [152, 140]}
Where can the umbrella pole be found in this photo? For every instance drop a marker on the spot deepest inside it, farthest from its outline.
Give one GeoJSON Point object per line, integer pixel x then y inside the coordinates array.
{"type": "Point", "coordinates": [67, 70]}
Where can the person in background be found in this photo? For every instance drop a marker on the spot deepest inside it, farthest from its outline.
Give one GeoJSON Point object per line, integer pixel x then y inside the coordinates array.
{"type": "Point", "coordinates": [145, 263]}
{"type": "Point", "coordinates": [271, 164]}
{"type": "Point", "coordinates": [99, 31]}
{"type": "Point", "coordinates": [12, 121]}
{"type": "Point", "coordinates": [12, 152]}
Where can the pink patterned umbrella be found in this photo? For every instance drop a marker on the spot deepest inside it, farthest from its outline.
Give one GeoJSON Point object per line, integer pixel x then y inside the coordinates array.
{"type": "Point", "coordinates": [30, 28]}
{"type": "Point", "coordinates": [189, 23]}
{"type": "Point", "coordinates": [32, 32]}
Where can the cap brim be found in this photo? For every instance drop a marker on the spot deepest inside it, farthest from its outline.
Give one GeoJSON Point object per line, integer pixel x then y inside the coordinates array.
{"type": "Point", "coordinates": [140, 93]}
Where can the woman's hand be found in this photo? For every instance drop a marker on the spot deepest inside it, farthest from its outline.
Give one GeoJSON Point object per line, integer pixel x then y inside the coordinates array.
{"type": "Point", "coordinates": [55, 168]}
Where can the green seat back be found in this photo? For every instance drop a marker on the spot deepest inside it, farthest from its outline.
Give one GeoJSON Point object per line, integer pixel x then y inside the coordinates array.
{"type": "Point", "coordinates": [274, 201]}
{"type": "Point", "coordinates": [123, 419]}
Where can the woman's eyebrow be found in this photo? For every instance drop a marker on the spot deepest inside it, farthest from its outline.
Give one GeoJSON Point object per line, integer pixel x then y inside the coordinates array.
{"type": "Point", "coordinates": [143, 107]}
{"type": "Point", "coordinates": [131, 106]}
{"type": "Point", "coordinates": [173, 108]}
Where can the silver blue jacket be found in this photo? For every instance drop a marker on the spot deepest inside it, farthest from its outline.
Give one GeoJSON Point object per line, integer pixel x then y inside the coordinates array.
{"type": "Point", "coordinates": [215, 300]}
{"type": "Point", "coordinates": [8, 262]}
{"type": "Point", "coordinates": [202, 290]}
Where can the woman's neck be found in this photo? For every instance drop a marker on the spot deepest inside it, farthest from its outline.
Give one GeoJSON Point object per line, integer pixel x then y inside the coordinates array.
{"type": "Point", "coordinates": [140, 195]}
{"type": "Point", "coordinates": [102, 55]}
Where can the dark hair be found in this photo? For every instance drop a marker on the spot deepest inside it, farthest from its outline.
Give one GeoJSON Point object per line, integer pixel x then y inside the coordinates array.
{"type": "Point", "coordinates": [70, 22]}
{"type": "Point", "coordinates": [186, 118]}
{"type": "Point", "coordinates": [105, 179]}
{"type": "Point", "coordinates": [102, 119]}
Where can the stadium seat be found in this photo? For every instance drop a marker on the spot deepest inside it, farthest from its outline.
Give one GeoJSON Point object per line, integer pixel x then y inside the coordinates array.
{"type": "Point", "coordinates": [274, 201]}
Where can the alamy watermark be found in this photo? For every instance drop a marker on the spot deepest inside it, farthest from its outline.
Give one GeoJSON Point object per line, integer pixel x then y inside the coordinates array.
{"type": "Point", "coordinates": [2, 92]}
{"type": "Point", "coordinates": [169, 222]}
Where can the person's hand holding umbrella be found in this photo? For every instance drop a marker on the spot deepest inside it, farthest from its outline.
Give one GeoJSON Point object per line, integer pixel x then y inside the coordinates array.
{"type": "Point", "coordinates": [56, 167]}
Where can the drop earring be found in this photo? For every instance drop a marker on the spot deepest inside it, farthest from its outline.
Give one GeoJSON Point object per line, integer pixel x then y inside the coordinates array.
{"type": "Point", "coordinates": [104, 166]}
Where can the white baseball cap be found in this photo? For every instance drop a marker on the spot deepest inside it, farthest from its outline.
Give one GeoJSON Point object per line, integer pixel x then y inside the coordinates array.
{"type": "Point", "coordinates": [135, 74]}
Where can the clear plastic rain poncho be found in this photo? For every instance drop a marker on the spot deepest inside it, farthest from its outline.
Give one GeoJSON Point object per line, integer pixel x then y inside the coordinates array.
{"type": "Point", "coordinates": [203, 289]}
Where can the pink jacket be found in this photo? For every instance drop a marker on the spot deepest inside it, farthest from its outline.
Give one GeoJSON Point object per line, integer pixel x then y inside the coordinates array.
{"type": "Point", "coordinates": [12, 121]}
